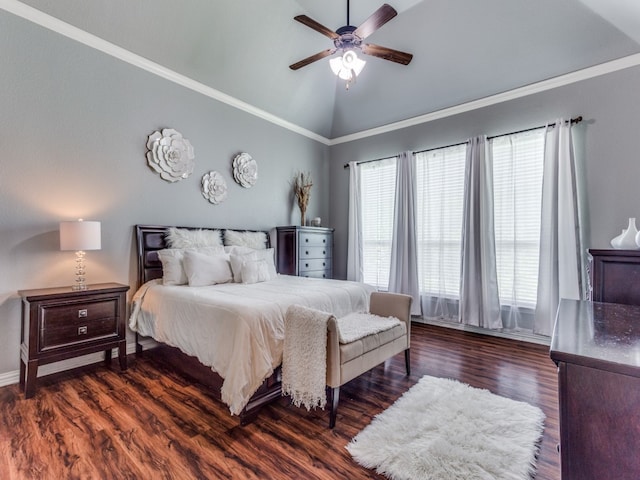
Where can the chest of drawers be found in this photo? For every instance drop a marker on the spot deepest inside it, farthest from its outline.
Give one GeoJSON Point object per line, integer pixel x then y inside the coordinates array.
{"type": "Point", "coordinates": [305, 251]}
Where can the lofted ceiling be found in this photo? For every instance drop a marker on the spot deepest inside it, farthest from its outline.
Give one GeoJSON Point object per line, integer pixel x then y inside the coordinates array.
{"type": "Point", "coordinates": [464, 50]}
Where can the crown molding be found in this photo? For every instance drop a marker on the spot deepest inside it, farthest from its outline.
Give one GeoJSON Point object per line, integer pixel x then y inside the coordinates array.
{"type": "Point", "coordinates": [51, 23]}
{"type": "Point", "coordinates": [549, 84]}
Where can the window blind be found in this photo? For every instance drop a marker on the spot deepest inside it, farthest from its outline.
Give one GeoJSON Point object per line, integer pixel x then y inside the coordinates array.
{"type": "Point", "coordinates": [378, 184]}
{"type": "Point", "coordinates": [440, 194]}
{"type": "Point", "coordinates": [517, 185]}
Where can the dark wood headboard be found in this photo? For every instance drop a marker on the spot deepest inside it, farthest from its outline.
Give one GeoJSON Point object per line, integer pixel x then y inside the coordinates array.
{"type": "Point", "coordinates": [151, 238]}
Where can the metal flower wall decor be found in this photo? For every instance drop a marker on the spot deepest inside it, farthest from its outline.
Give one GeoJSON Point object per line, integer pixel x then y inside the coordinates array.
{"type": "Point", "coordinates": [170, 154]}
{"type": "Point", "coordinates": [214, 187]}
{"type": "Point", "coordinates": [245, 170]}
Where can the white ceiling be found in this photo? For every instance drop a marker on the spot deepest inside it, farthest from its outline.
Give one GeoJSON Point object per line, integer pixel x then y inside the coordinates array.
{"type": "Point", "coordinates": [464, 50]}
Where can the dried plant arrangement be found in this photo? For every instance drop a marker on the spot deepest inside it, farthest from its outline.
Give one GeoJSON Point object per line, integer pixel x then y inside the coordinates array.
{"type": "Point", "coordinates": [302, 184]}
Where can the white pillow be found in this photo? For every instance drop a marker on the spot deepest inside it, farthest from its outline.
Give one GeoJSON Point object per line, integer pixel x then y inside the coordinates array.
{"type": "Point", "coordinates": [172, 263]}
{"type": "Point", "coordinates": [202, 269]}
{"type": "Point", "coordinates": [237, 263]}
{"type": "Point", "coordinates": [185, 238]}
{"type": "Point", "coordinates": [238, 250]}
{"type": "Point", "coordinates": [172, 271]}
{"type": "Point", "coordinates": [254, 271]}
{"type": "Point", "coordinates": [256, 240]}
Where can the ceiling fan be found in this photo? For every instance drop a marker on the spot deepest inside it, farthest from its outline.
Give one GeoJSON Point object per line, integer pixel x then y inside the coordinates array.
{"type": "Point", "coordinates": [348, 39]}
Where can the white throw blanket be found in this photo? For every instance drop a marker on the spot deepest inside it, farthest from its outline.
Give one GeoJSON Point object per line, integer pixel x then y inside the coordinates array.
{"type": "Point", "coordinates": [358, 325]}
{"type": "Point", "coordinates": [304, 359]}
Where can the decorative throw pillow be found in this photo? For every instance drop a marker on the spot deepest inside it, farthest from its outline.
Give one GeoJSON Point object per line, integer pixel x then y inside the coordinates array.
{"type": "Point", "coordinates": [254, 271]}
{"type": "Point", "coordinates": [172, 263]}
{"type": "Point", "coordinates": [256, 240]}
{"type": "Point", "coordinates": [238, 250]}
{"type": "Point", "coordinates": [202, 269]}
{"type": "Point", "coordinates": [238, 261]}
{"type": "Point", "coordinates": [186, 238]}
{"type": "Point", "coordinates": [172, 271]}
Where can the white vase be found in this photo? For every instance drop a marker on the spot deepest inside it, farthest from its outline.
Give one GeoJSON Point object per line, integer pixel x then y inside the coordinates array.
{"type": "Point", "coordinates": [615, 242]}
{"type": "Point", "coordinates": [627, 239]}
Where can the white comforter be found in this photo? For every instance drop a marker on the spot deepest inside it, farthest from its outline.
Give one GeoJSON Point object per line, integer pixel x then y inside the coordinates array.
{"type": "Point", "coordinates": [237, 329]}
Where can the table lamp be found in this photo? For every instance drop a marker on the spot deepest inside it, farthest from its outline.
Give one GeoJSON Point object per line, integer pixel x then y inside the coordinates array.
{"type": "Point", "coordinates": [80, 236]}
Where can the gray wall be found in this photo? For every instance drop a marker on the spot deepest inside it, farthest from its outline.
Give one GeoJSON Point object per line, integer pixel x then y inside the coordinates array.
{"type": "Point", "coordinates": [73, 128]}
{"type": "Point", "coordinates": [606, 146]}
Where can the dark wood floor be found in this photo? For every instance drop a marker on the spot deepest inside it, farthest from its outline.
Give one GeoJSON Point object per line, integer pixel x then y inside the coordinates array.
{"type": "Point", "coordinates": [149, 423]}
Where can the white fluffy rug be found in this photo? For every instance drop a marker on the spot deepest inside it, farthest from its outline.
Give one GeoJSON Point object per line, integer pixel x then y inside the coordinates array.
{"type": "Point", "coordinates": [445, 430]}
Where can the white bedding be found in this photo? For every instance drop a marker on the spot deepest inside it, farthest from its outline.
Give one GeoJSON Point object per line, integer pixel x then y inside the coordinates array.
{"type": "Point", "coordinates": [237, 329]}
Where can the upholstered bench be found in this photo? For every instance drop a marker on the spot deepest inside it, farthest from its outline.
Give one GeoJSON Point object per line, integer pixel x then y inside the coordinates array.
{"type": "Point", "coordinates": [346, 361]}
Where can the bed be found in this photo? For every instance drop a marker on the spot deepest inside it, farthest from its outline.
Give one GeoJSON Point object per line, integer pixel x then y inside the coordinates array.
{"type": "Point", "coordinates": [228, 336]}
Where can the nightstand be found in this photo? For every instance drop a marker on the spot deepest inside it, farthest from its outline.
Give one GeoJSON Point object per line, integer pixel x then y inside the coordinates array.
{"type": "Point", "coordinates": [61, 323]}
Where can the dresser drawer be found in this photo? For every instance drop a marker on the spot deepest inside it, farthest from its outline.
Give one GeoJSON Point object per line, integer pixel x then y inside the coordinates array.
{"type": "Point", "coordinates": [62, 315]}
{"type": "Point", "coordinates": [313, 239]}
{"type": "Point", "coordinates": [75, 332]}
{"type": "Point", "coordinates": [326, 273]}
{"type": "Point", "coordinates": [314, 252]}
{"type": "Point", "coordinates": [313, 264]}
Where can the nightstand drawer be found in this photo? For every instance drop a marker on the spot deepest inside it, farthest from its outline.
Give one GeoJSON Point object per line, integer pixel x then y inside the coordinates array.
{"type": "Point", "coordinates": [76, 332]}
{"type": "Point", "coordinates": [315, 252]}
{"type": "Point", "coordinates": [63, 315]}
{"type": "Point", "coordinates": [313, 264]}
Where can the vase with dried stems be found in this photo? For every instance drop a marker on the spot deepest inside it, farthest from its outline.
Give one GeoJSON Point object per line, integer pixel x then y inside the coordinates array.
{"type": "Point", "coordinates": [302, 184]}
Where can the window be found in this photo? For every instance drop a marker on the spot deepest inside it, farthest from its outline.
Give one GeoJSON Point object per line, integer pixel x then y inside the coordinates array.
{"type": "Point", "coordinates": [517, 186]}
{"type": "Point", "coordinates": [440, 194]}
{"type": "Point", "coordinates": [377, 186]}
{"type": "Point", "coordinates": [517, 162]}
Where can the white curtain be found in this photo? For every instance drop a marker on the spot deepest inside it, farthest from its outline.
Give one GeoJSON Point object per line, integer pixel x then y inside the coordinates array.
{"type": "Point", "coordinates": [561, 260]}
{"type": "Point", "coordinates": [355, 245]}
{"type": "Point", "coordinates": [403, 275]}
{"type": "Point", "coordinates": [479, 301]}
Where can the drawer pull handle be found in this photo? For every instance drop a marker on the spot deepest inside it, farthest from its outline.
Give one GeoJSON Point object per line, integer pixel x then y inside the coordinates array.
{"type": "Point", "coordinates": [324, 264]}
{"type": "Point", "coordinates": [306, 264]}
{"type": "Point", "coordinates": [324, 240]}
{"type": "Point", "coordinates": [306, 240]}
{"type": "Point", "coordinates": [82, 313]}
{"type": "Point", "coordinates": [324, 252]}
{"type": "Point", "coordinates": [82, 330]}
{"type": "Point", "coordinates": [306, 252]}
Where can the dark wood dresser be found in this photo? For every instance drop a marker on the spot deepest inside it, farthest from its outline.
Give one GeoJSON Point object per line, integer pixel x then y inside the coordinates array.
{"type": "Point", "coordinates": [305, 251]}
{"type": "Point", "coordinates": [61, 323]}
{"type": "Point", "coordinates": [597, 349]}
{"type": "Point", "coordinates": [615, 276]}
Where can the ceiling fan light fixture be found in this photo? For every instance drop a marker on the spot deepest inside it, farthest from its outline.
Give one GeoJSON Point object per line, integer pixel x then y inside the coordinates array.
{"type": "Point", "coordinates": [347, 66]}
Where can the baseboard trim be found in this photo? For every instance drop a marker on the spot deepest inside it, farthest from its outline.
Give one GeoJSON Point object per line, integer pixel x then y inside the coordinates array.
{"type": "Point", "coordinates": [519, 336]}
{"type": "Point", "coordinates": [13, 377]}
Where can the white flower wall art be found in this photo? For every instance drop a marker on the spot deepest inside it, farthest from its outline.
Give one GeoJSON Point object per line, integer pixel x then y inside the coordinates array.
{"type": "Point", "coordinates": [170, 154]}
{"type": "Point", "coordinates": [245, 170]}
{"type": "Point", "coordinates": [214, 187]}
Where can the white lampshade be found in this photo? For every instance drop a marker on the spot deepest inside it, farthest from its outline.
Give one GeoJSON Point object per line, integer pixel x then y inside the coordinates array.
{"type": "Point", "coordinates": [80, 235]}
{"type": "Point", "coordinates": [347, 66]}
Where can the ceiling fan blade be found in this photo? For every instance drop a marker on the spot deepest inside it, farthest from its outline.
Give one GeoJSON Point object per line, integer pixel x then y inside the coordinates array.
{"type": "Point", "coordinates": [377, 19]}
{"type": "Point", "coordinates": [311, 23]}
{"type": "Point", "coordinates": [387, 53]}
{"type": "Point", "coordinates": [312, 58]}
